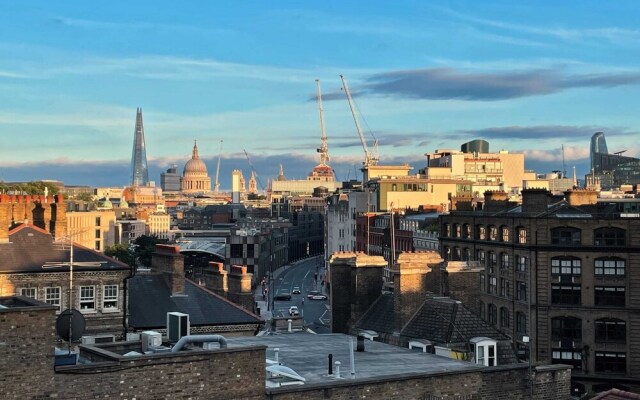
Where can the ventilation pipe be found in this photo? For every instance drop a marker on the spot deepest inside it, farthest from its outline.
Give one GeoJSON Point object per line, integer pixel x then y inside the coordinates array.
{"type": "Point", "coordinates": [276, 354]}
{"type": "Point", "coordinates": [330, 364]}
{"type": "Point", "coordinates": [352, 359]}
{"type": "Point", "coordinates": [199, 339]}
{"type": "Point", "coordinates": [289, 321]}
{"type": "Point", "coordinates": [338, 363]}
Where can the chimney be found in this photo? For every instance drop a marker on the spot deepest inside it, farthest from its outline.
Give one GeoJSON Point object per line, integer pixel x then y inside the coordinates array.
{"type": "Point", "coordinates": [168, 261]}
{"type": "Point", "coordinates": [535, 201]}
{"type": "Point", "coordinates": [239, 287]}
{"type": "Point", "coordinates": [581, 197]}
{"type": "Point", "coordinates": [409, 281]}
{"type": "Point", "coordinates": [58, 222]}
{"type": "Point", "coordinates": [5, 218]}
{"type": "Point", "coordinates": [215, 278]}
{"type": "Point", "coordinates": [495, 200]}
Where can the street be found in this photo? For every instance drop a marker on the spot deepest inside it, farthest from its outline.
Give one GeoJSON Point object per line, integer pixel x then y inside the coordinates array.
{"type": "Point", "coordinates": [316, 313]}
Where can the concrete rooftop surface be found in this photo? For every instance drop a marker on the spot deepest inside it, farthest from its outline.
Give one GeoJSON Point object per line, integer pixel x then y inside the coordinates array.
{"type": "Point", "coordinates": [307, 354]}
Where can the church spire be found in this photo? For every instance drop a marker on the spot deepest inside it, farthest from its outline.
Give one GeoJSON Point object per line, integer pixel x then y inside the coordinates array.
{"type": "Point", "coordinates": [195, 150]}
{"type": "Point", "coordinates": [281, 174]}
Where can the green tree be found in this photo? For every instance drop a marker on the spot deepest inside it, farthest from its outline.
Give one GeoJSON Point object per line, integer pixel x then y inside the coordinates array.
{"type": "Point", "coordinates": [121, 252]}
{"type": "Point", "coordinates": [144, 246]}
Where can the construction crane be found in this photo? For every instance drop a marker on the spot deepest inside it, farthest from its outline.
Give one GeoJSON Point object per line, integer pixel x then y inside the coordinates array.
{"type": "Point", "coordinates": [370, 157]}
{"type": "Point", "coordinates": [216, 186]}
{"type": "Point", "coordinates": [253, 169]}
{"type": "Point", "coordinates": [324, 148]}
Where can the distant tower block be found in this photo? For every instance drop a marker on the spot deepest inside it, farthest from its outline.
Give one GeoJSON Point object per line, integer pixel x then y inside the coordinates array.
{"type": "Point", "coordinates": [139, 171]}
{"type": "Point", "coordinates": [236, 181]}
{"type": "Point", "coordinates": [475, 146]}
{"type": "Point", "coordinates": [253, 187]}
{"type": "Point", "coordinates": [598, 146]}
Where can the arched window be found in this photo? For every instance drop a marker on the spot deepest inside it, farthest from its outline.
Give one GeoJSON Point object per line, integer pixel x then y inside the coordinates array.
{"type": "Point", "coordinates": [466, 231]}
{"type": "Point", "coordinates": [609, 236]}
{"type": "Point", "coordinates": [505, 321]}
{"type": "Point", "coordinates": [565, 236]}
{"type": "Point", "coordinates": [522, 235]}
{"type": "Point", "coordinates": [482, 232]}
{"type": "Point", "coordinates": [447, 230]}
{"type": "Point", "coordinates": [611, 330]}
{"type": "Point", "coordinates": [492, 313]}
{"type": "Point", "coordinates": [493, 233]}
{"type": "Point", "coordinates": [457, 230]}
{"type": "Point", "coordinates": [504, 232]}
{"type": "Point", "coordinates": [609, 266]}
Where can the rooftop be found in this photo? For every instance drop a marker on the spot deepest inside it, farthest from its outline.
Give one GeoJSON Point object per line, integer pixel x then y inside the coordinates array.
{"type": "Point", "coordinates": [307, 354]}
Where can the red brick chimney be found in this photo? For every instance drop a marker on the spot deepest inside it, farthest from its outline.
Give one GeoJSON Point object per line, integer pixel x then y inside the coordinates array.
{"type": "Point", "coordinates": [239, 282]}
{"type": "Point", "coordinates": [168, 261]}
{"type": "Point", "coordinates": [215, 278]}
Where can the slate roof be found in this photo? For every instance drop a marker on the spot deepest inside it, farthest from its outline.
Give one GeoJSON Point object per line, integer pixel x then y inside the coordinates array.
{"type": "Point", "coordinates": [30, 247]}
{"type": "Point", "coordinates": [150, 300]}
{"type": "Point", "coordinates": [380, 317]}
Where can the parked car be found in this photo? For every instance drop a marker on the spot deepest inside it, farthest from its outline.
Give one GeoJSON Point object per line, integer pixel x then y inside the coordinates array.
{"type": "Point", "coordinates": [316, 295]}
{"type": "Point", "coordinates": [283, 295]}
{"type": "Point", "coordinates": [293, 310]}
{"type": "Point", "coordinates": [295, 290]}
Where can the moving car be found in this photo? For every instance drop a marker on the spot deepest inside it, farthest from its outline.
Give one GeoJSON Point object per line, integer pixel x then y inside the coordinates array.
{"type": "Point", "coordinates": [293, 310]}
{"type": "Point", "coordinates": [283, 295]}
{"type": "Point", "coordinates": [295, 290]}
{"type": "Point", "coordinates": [316, 295]}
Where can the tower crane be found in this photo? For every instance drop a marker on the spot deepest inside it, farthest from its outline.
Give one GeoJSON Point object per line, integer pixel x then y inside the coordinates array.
{"type": "Point", "coordinates": [370, 157]}
{"type": "Point", "coordinates": [216, 186]}
{"type": "Point", "coordinates": [253, 169]}
{"type": "Point", "coordinates": [324, 149]}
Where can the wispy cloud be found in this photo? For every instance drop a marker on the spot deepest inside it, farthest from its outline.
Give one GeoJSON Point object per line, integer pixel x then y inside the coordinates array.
{"type": "Point", "coordinates": [448, 83]}
{"type": "Point", "coordinates": [538, 132]}
{"type": "Point", "coordinates": [91, 24]}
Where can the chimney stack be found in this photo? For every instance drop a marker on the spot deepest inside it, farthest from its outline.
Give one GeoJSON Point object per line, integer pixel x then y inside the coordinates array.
{"type": "Point", "coordinates": [215, 278]}
{"type": "Point", "coordinates": [239, 287]}
{"type": "Point", "coordinates": [495, 200]}
{"type": "Point", "coordinates": [168, 261]}
{"type": "Point", "coordinates": [581, 197]}
{"type": "Point", "coordinates": [535, 201]}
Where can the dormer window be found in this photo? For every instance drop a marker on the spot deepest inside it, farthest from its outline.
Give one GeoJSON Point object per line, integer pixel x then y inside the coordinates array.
{"type": "Point", "coordinates": [485, 351]}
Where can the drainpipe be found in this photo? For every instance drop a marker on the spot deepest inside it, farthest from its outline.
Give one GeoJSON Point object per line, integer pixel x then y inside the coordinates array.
{"type": "Point", "coordinates": [199, 339]}
{"type": "Point", "coordinates": [125, 306]}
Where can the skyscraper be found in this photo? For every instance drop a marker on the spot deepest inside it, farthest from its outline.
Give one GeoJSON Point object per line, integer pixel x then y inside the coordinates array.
{"type": "Point", "coordinates": [598, 145]}
{"type": "Point", "coordinates": [139, 171]}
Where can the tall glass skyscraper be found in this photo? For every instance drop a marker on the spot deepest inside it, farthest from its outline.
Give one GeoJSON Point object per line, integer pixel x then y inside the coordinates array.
{"type": "Point", "coordinates": [598, 145]}
{"type": "Point", "coordinates": [139, 171]}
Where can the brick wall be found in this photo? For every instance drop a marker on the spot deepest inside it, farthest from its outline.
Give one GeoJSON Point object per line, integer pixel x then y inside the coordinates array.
{"type": "Point", "coordinates": [499, 383]}
{"type": "Point", "coordinates": [47, 213]}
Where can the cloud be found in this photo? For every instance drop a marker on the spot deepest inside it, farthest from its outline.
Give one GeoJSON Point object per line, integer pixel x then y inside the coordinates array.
{"type": "Point", "coordinates": [448, 83]}
{"type": "Point", "coordinates": [544, 132]}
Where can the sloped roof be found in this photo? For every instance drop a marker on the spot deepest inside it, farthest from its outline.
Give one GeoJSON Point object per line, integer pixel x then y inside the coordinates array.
{"type": "Point", "coordinates": [380, 317]}
{"type": "Point", "coordinates": [151, 300]}
{"type": "Point", "coordinates": [30, 247]}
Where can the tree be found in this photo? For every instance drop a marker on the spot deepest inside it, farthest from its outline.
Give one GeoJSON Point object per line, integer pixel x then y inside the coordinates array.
{"type": "Point", "coordinates": [121, 252]}
{"type": "Point", "coordinates": [144, 246]}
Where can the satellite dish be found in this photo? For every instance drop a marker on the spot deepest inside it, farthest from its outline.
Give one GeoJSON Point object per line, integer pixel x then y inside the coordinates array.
{"type": "Point", "coordinates": [70, 325]}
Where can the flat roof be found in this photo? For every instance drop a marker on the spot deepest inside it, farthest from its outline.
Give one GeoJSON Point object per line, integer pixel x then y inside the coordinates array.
{"type": "Point", "coordinates": [307, 354]}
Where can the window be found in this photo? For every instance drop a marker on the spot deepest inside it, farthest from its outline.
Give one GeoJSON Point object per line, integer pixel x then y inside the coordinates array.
{"type": "Point", "coordinates": [610, 330]}
{"type": "Point", "coordinates": [110, 297]}
{"type": "Point", "coordinates": [521, 322]}
{"type": "Point", "coordinates": [493, 285]}
{"type": "Point", "coordinates": [521, 263]}
{"type": "Point", "coordinates": [29, 292]}
{"type": "Point", "coordinates": [467, 255]}
{"type": "Point", "coordinates": [482, 233]}
{"type": "Point", "coordinates": [97, 221]}
{"type": "Point", "coordinates": [505, 233]}
{"type": "Point", "coordinates": [521, 291]}
{"type": "Point", "coordinates": [492, 262]}
{"type": "Point", "coordinates": [609, 266]}
{"type": "Point", "coordinates": [447, 230]}
{"type": "Point", "coordinates": [492, 312]}
{"type": "Point", "coordinates": [609, 237]}
{"type": "Point", "coordinates": [52, 296]}
{"type": "Point", "coordinates": [482, 283]}
{"type": "Point", "coordinates": [97, 233]}
{"type": "Point", "coordinates": [566, 266]}
{"type": "Point", "coordinates": [493, 233]}
{"type": "Point", "coordinates": [505, 261]}
{"type": "Point", "coordinates": [486, 354]}
{"type": "Point", "coordinates": [569, 357]}
{"type": "Point", "coordinates": [522, 236]}
{"type": "Point", "coordinates": [98, 245]}
{"type": "Point", "coordinates": [610, 296]}
{"type": "Point", "coordinates": [504, 287]}
{"type": "Point", "coordinates": [467, 231]}
{"type": "Point", "coordinates": [504, 317]}
{"type": "Point", "coordinates": [480, 257]}
{"type": "Point", "coordinates": [87, 298]}
{"type": "Point", "coordinates": [458, 230]}
{"type": "Point", "coordinates": [565, 236]}
{"type": "Point", "coordinates": [568, 329]}
{"type": "Point", "coordinates": [236, 251]}
{"type": "Point", "coordinates": [566, 294]}
{"type": "Point", "coordinates": [341, 233]}
{"type": "Point", "coordinates": [612, 362]}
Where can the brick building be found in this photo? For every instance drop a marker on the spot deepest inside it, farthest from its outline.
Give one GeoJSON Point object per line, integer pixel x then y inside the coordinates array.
{"type": "Point", "coordinates": [242, 368]}
{"type": "Point", "coordinates": [562, 272]}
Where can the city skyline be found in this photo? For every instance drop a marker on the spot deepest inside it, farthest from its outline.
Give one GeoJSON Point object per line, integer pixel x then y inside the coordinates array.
{"type": "Point", "coordinates": [526, 79]}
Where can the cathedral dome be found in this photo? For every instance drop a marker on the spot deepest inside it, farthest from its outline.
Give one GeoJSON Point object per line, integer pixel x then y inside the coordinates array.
{"type": "Point", "coordinates": [195, 165]}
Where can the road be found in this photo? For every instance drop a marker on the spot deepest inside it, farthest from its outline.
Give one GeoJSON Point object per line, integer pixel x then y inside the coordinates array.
{"type": "Point", "coordinates": [316, 313]}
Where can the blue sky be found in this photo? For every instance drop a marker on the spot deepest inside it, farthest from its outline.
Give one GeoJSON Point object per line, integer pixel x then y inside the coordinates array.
{"type": "Point", "coordinates": [425, 75]}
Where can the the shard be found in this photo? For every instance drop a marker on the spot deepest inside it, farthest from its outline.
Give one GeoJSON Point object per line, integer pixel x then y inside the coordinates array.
{"type": "Point", "coordinates": [139, 171]}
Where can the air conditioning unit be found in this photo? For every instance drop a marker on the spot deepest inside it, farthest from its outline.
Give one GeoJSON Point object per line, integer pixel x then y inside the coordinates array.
{"type": "Point", "coordinates": [150, 339]}
{"type": "Point", "coordinates": [177, 326]}
{"type": "Point", "coordinates": [96, 339]}
{"type": "Point", "coordinates": [132, 337]}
